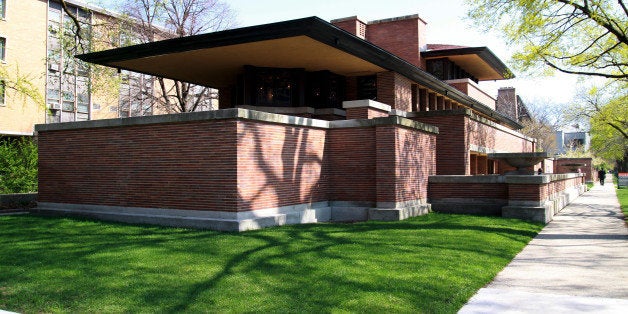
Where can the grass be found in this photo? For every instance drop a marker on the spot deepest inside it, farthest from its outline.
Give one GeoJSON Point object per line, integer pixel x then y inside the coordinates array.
{"type": "Point", "coordinates": [622, 195]}
{"type": "Point", "coordinates": [432, 263]}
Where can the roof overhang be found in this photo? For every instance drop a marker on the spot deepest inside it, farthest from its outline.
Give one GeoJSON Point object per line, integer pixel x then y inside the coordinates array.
{"type": "Point", "coordinates": [477, 61]}
{"type": "Point", "coordinates": [215, 59]}
{"type": "Point", "coordinates": [219, 66]}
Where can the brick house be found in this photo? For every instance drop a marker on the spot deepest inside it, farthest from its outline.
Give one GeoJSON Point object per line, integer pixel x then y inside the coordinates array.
{"type": "Point", "coordinates": [318, 121]}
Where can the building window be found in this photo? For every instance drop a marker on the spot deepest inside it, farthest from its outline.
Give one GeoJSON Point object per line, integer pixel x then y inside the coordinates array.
{"type": "Point", "coordinates": [3, 5]}
{"type": "Point", "coordinates": [3, 44]}
{"type": "Point", "coordinates": [2, 94]}
{"type": "Point", "coordinates": [367, 87]}
{"type": "Point", "coordinates": [136, 92]}
{"type": "Point", "coordinates": [67, 90]}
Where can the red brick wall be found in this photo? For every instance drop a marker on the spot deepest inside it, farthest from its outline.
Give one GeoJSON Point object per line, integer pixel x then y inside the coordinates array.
{"type": "Point", "coordinates": [452, 153]}
{"type": "Point", "coordinates": [352, 157]}
{"type": "Point", "coordinates": [587, 168]}
{"type": "Point", "coordinates": [386, 88]}
{"type": "Point", "coordinates": [233, 165]}
{"type": "Point", "coordinates": [365, 113]}
{"type": "Point", "coordinates": [403, 93]}
{"type": "Point", "coordinates": [185, 166]}
{"type": "Point", "coordinates": [348, 25]}
{"type": "Point", "coordinates": [489, 137]}
{"type": "Point", "coordinates": [468, 190]}
{"type": "Point", "coordinates": [458, 132]}
{"type": "Point", "coordinates": [280, 165]}
{"type": "Point", "coordinates": [394, 90]}
{"type": "Point", "coordinates": [463, 87]}
{"type": "Point", "coordinates": [405, 159]}
{"type": "Point", "coordinates": [400, 37]}
{"type": "Point", "coordinates": [541, 192]}
{"type": "Point", "coordinates": [528, 192]}
{"type": "Point", "coordinates": [511, 191]}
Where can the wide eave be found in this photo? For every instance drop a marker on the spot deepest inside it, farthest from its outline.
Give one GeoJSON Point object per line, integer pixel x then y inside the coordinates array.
{"type": "Point", "coordinates": [215, 59]}
{"type": "Point", "coordinates": [480, 62]}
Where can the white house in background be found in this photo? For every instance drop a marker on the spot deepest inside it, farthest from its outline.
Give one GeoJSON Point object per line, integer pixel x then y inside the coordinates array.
{"type": "Point", "coordinates": [566, 141]}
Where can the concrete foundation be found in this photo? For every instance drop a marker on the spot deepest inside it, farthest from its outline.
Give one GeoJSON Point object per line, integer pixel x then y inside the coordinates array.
{"type": "Point", "coordinates": [335, 211]}
{"type": "Point", "coordinates": [215, 220]}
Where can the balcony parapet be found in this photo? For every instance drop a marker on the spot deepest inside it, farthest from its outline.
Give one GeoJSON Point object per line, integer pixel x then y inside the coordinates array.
{"type": "Point", "coordinates": [470, 88]}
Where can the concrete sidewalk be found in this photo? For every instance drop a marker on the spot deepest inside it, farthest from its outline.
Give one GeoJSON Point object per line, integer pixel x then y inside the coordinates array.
{"type": "Point", "coordinates": [577, 264]}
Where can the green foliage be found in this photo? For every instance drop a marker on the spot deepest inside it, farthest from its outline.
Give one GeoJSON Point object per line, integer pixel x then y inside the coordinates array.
{"type": "Point", "coordinates": [18, 166]}
{"type": "Point", "coordinates": [622, 196]}
{"type": "Point", "coordinates": [578, 37]}
{"type": "Point", "coordinates": [20, 84]}
{"type": "Point", "coordinates": [609, 126]}
{"type": "Point", "coordinates": [604, 109]}
{"type": "Point", "coordinates": [433, 263]}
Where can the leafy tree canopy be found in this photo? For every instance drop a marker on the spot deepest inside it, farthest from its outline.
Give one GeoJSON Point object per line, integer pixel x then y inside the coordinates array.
{"type": "Point", "coordinates": [587, 37]}
{"type": "Point", "coordinates": [605, 110]}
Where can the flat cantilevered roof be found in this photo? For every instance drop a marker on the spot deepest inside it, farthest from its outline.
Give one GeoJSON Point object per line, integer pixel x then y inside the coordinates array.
{"type": "Point", "coordinates": [477, 61]}
{"type": "Point", "coordinates": [215, 59]}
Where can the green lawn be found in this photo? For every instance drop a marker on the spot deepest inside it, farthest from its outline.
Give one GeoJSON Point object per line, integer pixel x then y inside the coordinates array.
{"type": "Point", "coordinates": [433, 263]}
{"type": "Point", "coordinates": [622, 195]}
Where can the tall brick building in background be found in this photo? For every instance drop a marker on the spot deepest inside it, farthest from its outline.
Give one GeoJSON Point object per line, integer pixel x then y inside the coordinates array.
{"type": "Point", "coordinates": [34, 40]}
{"type": "Point", "coordinates": [318, 121]}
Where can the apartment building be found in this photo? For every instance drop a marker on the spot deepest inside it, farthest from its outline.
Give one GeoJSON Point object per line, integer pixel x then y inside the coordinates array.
{"type": "Point", "coordinates": [37, 46]}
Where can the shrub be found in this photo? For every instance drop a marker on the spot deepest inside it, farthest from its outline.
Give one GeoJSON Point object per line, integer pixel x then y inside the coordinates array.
{"type": "Point", "coordinates": [18, 166]}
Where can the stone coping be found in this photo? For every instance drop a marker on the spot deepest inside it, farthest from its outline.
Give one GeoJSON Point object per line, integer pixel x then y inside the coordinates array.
{"type": "Point", "coordinates": [541, 179]}
{"type": "Point", "coordinates": [511, 179]}
{"type": "Point", "coordinates": [280, 110]}
{"type": "Point", "coordinates": [466, 179]}
{"type": "Point", "coordinates": [237, 113]}
{"type": "Point", "coordinates": [332, 111]}
{"type": "Point", "coordinates": [297, 110]}
{"type": "Point", "coordinates": [398, 18]}
{"type": "Point", "coordinates": [391, 120]}
{"type": "Point", "coordinates": [348, 18]}
{"type": "Point", "coordinates": [544, 155]}
{"type": "Point", "coordinates": [366, 103]}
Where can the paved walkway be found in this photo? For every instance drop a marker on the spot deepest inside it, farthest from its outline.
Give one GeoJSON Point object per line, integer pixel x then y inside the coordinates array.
{"type": "Point", "coordinates": [577, 264]}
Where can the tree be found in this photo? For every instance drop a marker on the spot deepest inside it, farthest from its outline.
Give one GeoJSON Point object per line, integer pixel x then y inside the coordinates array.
{"type": "Point", "coordinates": [21, 84]}
{"type": "Point", "coordinates": [586, 37]}
{"type": "Point", "coordinates": [605, 110]}
{"type": "Point", "coordinates": [543, 122]}
{"type": "Point", "coordinates": [151, 20]}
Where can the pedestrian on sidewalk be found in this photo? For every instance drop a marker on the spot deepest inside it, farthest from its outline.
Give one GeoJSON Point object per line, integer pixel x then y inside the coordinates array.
{"type": "Point", "coordinates": [601, 174]}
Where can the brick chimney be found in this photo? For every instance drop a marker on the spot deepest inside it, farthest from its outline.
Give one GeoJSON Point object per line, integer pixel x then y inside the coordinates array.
{"type": "Point", "coordinates": [404, 36]}
{"type": "Point", "coordinates": [351, 24]}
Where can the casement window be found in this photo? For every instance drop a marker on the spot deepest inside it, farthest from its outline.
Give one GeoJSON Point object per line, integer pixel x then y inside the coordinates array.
{"type": "Point", "coordinates": [3, 5]}
{"type": "Point", "coordinates": [2, 93]}
{"type": "Point", "coordinates": [3, 44]}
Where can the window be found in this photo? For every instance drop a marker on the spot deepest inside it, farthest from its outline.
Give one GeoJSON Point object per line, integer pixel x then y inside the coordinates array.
{"type": "Point", "coordinates": [3, 43]}
{"type": "Point", "coordinates": [135, 95]}
{"type": "Point", "coordinates": [3, 5]}
{"type": "Point", "coordinates": [367, 87]}
{"type": "Point", "coordinates": [2, 89]}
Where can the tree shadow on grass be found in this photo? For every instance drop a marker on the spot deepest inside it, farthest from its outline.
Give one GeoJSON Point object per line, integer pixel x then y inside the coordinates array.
{"type": "Point", "coordinates": [305, 268]}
